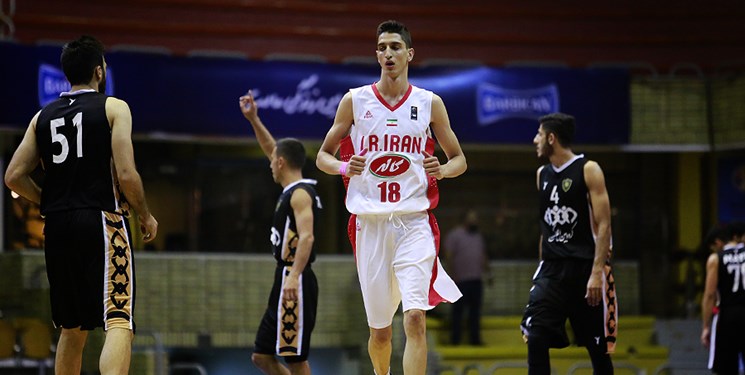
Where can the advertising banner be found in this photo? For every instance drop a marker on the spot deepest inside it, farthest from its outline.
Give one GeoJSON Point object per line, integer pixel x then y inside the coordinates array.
{"type": "Point", "coordinates": [198, 96]}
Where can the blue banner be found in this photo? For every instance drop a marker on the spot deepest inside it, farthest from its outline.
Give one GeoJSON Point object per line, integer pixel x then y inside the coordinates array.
{"type": "Point", "coordinates": [199, 95]}
{"type": "Point", "coordinates": [731, 190]}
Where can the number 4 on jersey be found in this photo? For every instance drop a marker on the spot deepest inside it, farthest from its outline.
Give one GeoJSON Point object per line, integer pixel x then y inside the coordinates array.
{"type": "Point", "coordinates": [77, 122]}
{"type": "Point", "coordinates": [554, 196]}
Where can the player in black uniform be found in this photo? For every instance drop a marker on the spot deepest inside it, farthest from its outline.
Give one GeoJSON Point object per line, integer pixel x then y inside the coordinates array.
{"type": "Point", "coordinates": [83, 140]}
{"type": "Point", "coordinates": [294, 297]}
{"type": "Point", "coordinates": [574, 278]}
{"type": "Point", "coordinates": [723, 325]}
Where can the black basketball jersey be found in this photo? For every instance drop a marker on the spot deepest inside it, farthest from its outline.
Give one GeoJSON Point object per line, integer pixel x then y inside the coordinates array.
{"type": "Point", "coordinates": [731, 280]}
{"type": "Point", "coordinates": [284, 235]}
{"type": "Point", "coordinates": [74, 139]}
{"type": "Point", "coordinates": [565, 212]}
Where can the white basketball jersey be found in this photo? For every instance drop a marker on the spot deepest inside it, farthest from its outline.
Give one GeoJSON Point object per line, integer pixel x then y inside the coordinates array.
{"type": "Point", "coordinates": [395, 137]}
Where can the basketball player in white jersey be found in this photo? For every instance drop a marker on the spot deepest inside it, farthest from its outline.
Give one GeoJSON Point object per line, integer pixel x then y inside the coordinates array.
{"type": "Point", "coordinates": [384, 131]}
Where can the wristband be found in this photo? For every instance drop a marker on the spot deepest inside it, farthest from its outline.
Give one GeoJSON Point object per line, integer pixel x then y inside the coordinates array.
{"type": "Point", "coordinates": [343, 169]}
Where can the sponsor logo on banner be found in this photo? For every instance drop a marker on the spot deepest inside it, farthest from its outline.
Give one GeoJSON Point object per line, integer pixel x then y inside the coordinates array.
{"type": "Point", "coordinates": [495, 103]}
{"type": "Point", "coordinates": [52, 82]}
{"type": "Point", "coordinates": [307, 100]}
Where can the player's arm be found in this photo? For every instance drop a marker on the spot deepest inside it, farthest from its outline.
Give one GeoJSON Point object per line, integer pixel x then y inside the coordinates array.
{"type": "Point", "coordinates": [440, 123]}
{"type": "Point", "coordinates": [710, 297]}
{"type": "Point", "coordinates": [538, 186]}
{"type": "Point", "coordinates": [24, 161]}
{"type": "Point", "coordinates": [130, 182]}
{"type": "Point", "coordinates": [326, 159]}
{"type": "Point", "coordinates": [251, 113]}
{"type": "Point", "coordinates": [302, 207]}
{"type": "Point", "coordinates": [595, 181]}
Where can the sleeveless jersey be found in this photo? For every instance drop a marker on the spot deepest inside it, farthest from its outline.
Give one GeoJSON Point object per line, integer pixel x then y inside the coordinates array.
{"type": "Point", "coordinates": [731, 280]}
{"type": "Point", "coordinates": [565, 212]}
{"type": "Point", "coordinates": [394, 137]}
{"type": "Point", "coordinates": [284, 236]}
{"type": "Point", "coordinates": [74, 138]}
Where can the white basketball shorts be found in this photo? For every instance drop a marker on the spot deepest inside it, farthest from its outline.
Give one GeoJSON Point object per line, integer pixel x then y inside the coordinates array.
{"type": "Point", "coordinates": [397, 264]}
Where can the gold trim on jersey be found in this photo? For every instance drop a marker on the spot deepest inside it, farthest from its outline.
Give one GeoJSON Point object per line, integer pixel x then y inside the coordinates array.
{"type": "Point", "coordinates": [610, 308]}
{"type": "Point", "coordinates": [118, 270]}
{"type": "Point", "coordinates": [290, 321]}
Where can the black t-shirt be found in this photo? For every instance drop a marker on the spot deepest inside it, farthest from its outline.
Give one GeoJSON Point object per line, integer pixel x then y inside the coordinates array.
{"type": "Point", "coordinates": [74, 140]}
{"type": "Point", "coordinates": [731, 280]}
{"type": "Point", "coordinates": [284, 236]}
{"type": "Point", "coordinates": [565, 212]}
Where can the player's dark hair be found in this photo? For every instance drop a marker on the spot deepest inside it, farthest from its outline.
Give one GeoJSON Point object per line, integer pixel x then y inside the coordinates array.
{"type": "Point", "coordinates": [561, 124]}
{"type": "Point", "coordinates": [395, 27]}
{"type": "Point", "coordinates": [292, 151]}
{"type": "Point", "coordinates": [717, 232]}
{"type": "Point", "coordinates": [736, 229]}
{"type": "Point", "coordinates": [80, 58]}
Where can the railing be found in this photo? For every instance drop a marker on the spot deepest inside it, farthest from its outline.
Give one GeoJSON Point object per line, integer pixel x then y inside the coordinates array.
{"type": "Point", "coordinates": [494, 369]}
{"type": "Point", "coordinates": [668, 367]}
{"type": "Point", "coordinates": [158, 349]}
{"type": "Point", "coordinates": [585, 365]}
{"type": "Point", "coordinates": [189, 366]}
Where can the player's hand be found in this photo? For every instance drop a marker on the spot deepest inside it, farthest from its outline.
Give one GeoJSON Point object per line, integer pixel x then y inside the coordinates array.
{"type": "Point", "coordinates": [290, 288]}
{"type": "Point", "coordinates": [149, 228]}
{"type": "Point", "coordinates": [705, 337]}
{"type": "Point", "coordinates": [248, 106]}
{"type": "Point", "coordinates": [356, 164]}
{"type": "Point", "coordinates": [432, 165]}
{"type": "Point", "coordinates": [594, 288]}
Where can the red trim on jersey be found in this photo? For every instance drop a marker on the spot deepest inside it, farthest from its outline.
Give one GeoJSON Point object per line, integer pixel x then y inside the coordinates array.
{"type": "Point", "coordinates": [352, 233]}
{"type": "Point", "coordinates": [383, 102]}
{"type": "Point", "coordinates": [433, 192]}
{"type": "Point", "coordinates": [346, 151]}
{"type": "Point", "coordinates": [434, 298]}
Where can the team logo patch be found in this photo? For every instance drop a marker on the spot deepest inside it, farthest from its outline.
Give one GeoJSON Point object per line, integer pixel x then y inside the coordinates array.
{"type": "Point", "coordinates": [414, 114]}
{"type": "Point", "coordinates": [566, 184]}
{"type": "Point", "coordinates": [390, 165]}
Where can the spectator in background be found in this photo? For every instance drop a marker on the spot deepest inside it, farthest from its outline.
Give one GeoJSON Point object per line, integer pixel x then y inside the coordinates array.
{"type": "Point", "coordinates": [468, 264]}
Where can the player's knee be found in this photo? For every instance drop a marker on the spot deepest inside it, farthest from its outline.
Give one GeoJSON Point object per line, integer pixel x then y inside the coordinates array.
{"type": "Point", "coordinates": [74, 334]}
{"type": "Point", "coordinates": [262, 360]}
{"type": "Point", "coordinates": [415, 322]}
{"type": "Point", "coordinates": [381, 336]}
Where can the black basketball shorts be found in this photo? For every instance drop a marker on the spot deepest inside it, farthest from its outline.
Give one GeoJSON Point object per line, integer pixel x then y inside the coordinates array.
{"type": "Point", "coordinates": [90, 267]}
